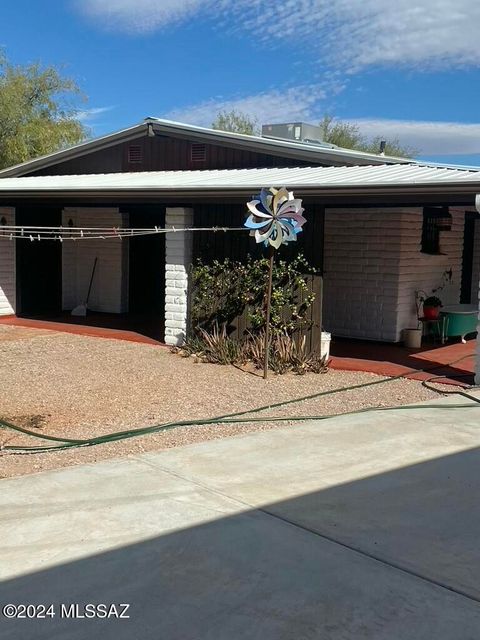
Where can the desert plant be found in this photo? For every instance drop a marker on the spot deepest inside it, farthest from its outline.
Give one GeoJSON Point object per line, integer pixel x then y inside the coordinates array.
{"type": "Point", "coordinates": [284, 355]}
{"type": "Point", "coordinates": [219, 347]}
{"type": "Point", "coordinates": [215, 346]}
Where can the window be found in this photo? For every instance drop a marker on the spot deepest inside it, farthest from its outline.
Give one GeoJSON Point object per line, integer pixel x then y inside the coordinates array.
{"type": "Point", "coordinates": [435, 219]}
{"type": "Point", "coordinates": [198, 152]}
{"type": "Point", "coordinates": [135, 154]}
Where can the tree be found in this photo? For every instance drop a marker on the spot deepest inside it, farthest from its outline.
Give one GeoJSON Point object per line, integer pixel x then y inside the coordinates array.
{"type": "Point", "coordinates": [36, 116]}
{"type": "Point", "coordinates": [348, 136]}
{"type": "Point", "coordinates": [236, 122]}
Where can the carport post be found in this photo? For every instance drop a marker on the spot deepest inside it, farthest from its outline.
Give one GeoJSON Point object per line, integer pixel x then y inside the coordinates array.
{"type": "Point", "coordinates": [178, 256]}
{"type": "Point", "coordinates": [477, 366]}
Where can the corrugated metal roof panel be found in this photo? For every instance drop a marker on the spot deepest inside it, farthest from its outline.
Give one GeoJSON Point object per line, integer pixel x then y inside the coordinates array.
{"type": "Point", "coordinates": [226, 179]}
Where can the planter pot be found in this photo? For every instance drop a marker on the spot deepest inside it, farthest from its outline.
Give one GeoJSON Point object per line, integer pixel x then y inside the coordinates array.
{"type": "Point", "coordinates": [431, 313]}
{"type": "Point", "coordinates": [412, 338]}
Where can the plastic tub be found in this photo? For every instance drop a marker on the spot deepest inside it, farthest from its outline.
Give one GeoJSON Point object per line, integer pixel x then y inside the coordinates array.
{"type": "Point", "coordinates": [460, 320]}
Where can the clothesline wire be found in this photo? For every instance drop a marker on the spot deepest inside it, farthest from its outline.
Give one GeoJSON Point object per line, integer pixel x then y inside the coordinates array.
{"type": "Point", "coordinates": [33, 233]}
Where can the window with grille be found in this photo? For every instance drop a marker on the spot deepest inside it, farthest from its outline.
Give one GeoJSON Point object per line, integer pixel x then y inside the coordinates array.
{"type": "Point", "coordinates": [198, 152]}
{"type": "Point", "coordinates": [434, 221]}
{"type": "Point", "coordinates": [135, 154]}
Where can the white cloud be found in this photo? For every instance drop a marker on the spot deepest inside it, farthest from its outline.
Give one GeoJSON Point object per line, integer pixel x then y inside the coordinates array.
{"type": "Point", "coordinates": [88, 115]}
{"type": "Point", "coordinates": [139, 16]}
{"type": "Point", "coordinates": [357, 34]}
{"type": "Point", "coordinates": [352, 34]}
{"type": "Point", "coordinates": [276, 105]}
{"type": "Point", "coordinates": [429, 138]}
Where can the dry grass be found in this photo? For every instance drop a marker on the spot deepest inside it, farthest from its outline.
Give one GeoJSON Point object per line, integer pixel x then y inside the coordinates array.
{"type": "Point", "coordinates": [80, 387]}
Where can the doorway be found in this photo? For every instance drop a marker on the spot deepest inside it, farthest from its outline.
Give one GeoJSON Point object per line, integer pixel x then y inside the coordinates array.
{"type": "Point", "coordinates": [147, 270]}
{"type": "Point", "coordinates": [39, 264]}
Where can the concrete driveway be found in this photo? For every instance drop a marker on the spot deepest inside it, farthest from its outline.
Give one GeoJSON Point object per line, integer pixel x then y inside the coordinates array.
{"type": "Point", "coordinates": [357, 527]}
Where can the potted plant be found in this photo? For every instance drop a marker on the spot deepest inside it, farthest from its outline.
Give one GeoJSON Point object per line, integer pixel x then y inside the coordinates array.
{"type": "Point", "coordinates": [431, 307]}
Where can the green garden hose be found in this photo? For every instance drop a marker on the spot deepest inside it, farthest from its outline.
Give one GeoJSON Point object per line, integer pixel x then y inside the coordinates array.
{"type": "Point", "coordinates": [233, 418]}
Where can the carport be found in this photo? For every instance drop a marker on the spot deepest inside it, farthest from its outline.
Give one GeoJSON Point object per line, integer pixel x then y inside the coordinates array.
{"type": "Point", "coordinates": [367, 209]}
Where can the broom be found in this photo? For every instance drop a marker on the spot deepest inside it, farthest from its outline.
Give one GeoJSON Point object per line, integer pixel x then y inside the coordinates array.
{"type": "Point", "coordinates": [81, 309]}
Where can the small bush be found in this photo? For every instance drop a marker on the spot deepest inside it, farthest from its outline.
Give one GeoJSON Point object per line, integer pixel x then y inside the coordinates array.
{"type": "Point", "coordinates": [222, 291]}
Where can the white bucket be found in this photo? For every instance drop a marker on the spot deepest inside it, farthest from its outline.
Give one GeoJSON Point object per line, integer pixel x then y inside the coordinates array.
{"type": "Point", "coordinates": [412, 338]}
{"type": "Point", "coordinates": [325, 344]}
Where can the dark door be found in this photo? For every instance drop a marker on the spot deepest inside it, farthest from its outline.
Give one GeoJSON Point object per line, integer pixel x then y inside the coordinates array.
{"type": "Point", "coordinates": [147, 263]}
{"type": "Point", "coordinates": [39, 264]}
{"type": "Point", "coordinates": [467, 260]}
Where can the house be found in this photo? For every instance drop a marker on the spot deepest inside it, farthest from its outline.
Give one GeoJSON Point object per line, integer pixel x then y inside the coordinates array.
{"type": "Point", "coordinates": [372, 225]}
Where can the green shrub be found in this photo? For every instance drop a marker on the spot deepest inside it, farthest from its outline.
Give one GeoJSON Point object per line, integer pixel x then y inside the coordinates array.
{"type": "Point", "coordinates": [223, 291]}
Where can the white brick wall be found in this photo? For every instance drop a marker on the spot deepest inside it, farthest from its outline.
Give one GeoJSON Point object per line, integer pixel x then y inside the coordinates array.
{"type": "Point", "coordinates": [422, 271]}
{"type": "Point", "coordinates": [7, 267]}
{"type": "Point", "coordinates": [361, 272]}
{"type": "Point", "coordinates": [178, 256]}
{"type": "Point", "coordinates": [110, 286]}
{"type": "Point", "coordinates": [373, 265]}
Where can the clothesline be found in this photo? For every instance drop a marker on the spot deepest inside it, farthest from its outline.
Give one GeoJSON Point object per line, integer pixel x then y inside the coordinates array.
{"type": "Point", "coordinates": [61, 234]}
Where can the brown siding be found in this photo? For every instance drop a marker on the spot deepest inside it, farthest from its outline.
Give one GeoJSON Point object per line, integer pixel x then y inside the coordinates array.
{"type": "Point", "coordinates": [164, 153]}
{"type": "Point", "coordinates": [237, 244]}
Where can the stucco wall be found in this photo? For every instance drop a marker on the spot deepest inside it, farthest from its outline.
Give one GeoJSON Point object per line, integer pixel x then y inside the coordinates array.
{"type": "Point", "coordinates": [7, 267]}
{"type": "Point", "coordinates": [110, 286]}
{"type": "Point", "coordinates": [373, 265]}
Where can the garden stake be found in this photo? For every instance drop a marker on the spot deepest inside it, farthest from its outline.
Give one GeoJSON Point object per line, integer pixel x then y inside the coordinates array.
{"type": "Point", "coordinates": [267, 313]}
{"type": "Point", "coordinates": [275, 219]}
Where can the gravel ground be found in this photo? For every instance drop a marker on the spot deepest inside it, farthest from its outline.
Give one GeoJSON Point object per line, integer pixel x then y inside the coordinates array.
{"type": "Point", "coordinates": [79, 387]}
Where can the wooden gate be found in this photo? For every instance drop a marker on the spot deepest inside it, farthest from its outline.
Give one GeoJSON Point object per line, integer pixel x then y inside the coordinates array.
{"type": "Point", "coordinates": [239, 326]}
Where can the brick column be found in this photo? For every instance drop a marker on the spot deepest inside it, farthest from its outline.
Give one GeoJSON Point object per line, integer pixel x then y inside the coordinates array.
{"type": "Point", "coordinates": [178, 256]}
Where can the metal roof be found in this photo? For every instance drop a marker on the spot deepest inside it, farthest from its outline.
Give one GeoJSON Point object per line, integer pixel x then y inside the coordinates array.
{"type": "Point", "coordinates": [289, 148]}
{"type": "Point", "coordinates": [318, 178]}
{"type": "Point", "coordinates": [283, 148]}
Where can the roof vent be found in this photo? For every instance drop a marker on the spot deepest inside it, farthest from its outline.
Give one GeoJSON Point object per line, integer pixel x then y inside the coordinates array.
{"type": "Point", "coordinates": [198, 152]}
{"type": "Point", "coordinates": [135, 154]}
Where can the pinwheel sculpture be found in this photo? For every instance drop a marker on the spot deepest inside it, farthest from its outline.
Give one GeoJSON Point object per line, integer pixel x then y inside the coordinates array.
{"type": "Point", "coordinates": [275, 219]}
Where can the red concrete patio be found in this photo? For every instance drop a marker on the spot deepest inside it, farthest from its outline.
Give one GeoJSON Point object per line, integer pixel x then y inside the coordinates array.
{"type": "Point", "coordinates": [99, 325]}
{"type": "Point", "coordinates": [455, 361]}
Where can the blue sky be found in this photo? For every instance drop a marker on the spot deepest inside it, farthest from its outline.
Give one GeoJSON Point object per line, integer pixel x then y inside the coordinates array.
{"type": "Point", "coordinates": [406, 69]}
